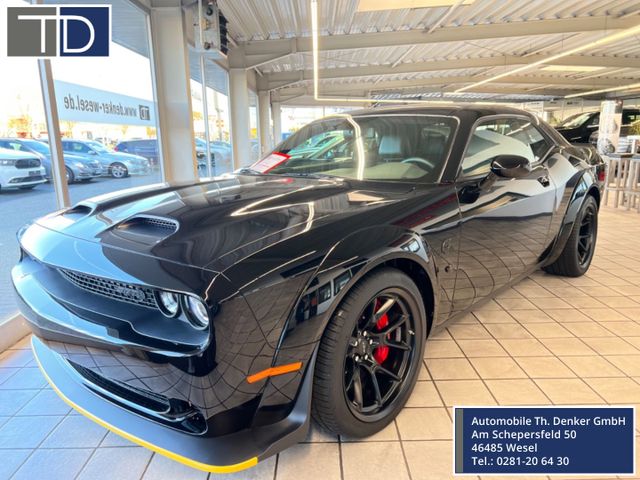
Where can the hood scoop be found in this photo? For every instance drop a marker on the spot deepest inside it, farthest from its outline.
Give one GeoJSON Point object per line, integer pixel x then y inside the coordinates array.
{"type": "Point", "coordinates": [146, 228]}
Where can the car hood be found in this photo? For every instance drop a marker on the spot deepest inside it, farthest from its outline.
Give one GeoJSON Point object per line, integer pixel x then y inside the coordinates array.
{"type": "Point", "coordinates": [215, 224]}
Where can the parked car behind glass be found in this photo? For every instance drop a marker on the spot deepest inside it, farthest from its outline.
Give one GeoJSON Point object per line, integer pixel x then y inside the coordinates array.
{"type": "Point", "coordinates": [20, 170]}
{"type": "Point", "coordinates": [579, 128]}
{"type": "Point", "coordinates": [76, 168]}
{"type": "Point", "coordinates": [147, 148]}
{"type": "Point", "coordinates": [116, 164]}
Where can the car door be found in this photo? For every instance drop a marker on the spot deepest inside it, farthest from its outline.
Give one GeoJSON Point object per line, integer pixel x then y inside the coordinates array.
{"type": "Point", "coordinates": [504, 221]}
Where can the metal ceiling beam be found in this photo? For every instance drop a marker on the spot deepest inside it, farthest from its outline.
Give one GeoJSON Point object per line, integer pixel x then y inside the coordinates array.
{"type": "Point", "coordinates": [281, 79]}
{"type": "Point", "coordinates": [569, 83]}
{"type": "Point", "coordinates": [259, 52]}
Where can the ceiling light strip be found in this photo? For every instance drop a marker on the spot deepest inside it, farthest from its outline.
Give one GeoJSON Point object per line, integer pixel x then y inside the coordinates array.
{"type": "Point", "coordinates": [315, 34]}
{"type": "Point", "coordinates": [604, 90]}
{"type": "Point", "coordinates": [596, 43]}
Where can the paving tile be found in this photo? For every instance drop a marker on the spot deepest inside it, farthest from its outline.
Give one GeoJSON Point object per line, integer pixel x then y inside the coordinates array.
{"type": "Point", "coordinates": [556, 303]}
{"type": "Point", "coordinates": [56, 464]}
{"type": "Point", "coordinates": [316, 460]}
{"type": "Point", "coordinates": [624, 329]}
{"type": "Point", "coordinates": [264, 470]}
{"type": "Point", "coordinates": [466, 332]}
{"type": "Point", "coordinates": [451, 369]}
{"type": "Point", "coordinates": [370, 460]}
{"type": "Point", "coordinates": [604, 314]}
{"type": "Point", "coordinates": [6, 373]}
{"type": "Point", "coordinates": [616, 390]}
{"type": "Point", "coordinates": [13, 400]}
{"type": "Point", "coordinates": [116, 463]}
{"type": "Point", "coordinates": [424, 424]}
{"type": "Point", "coordinates": [510, 304]}
{"type": "Point", "coordinates": [464, 392]}
{"type": "Point", "coordinates": [424, 395]}
{"type": "Point", "coordinates": [163, 468]}
{"type": "Point", "coordinates": [497, 367]}
{"type": "Point", "coordinates": [46, 402]}
{"type": "Point", "coordinates": [568, 391]}
{"type": "Point", "coordinates": [430, 460]}
{"type": "Point", "coordinates": [548, 330]}
{"type": "Point", "coordinates": [442, 349]}
{"type": "Point", "coordinates": [629, 364]}
{"type": "Point", "coordinates": [562, 315]}
{"type": "Point", "coordinates": [529, 347]}
{"type": "Point", "coordinates": [26, 432]}
{"type": "Point", "coordinates": [26, 378]}
{"type": "Point", "coordinates": [15, 358]}
{"type": "Point", "coordinates": [494, 316]}
{"type": "Point", "coordinates": [505, 330]}
{"type": "Point", "coordinates": [11, 459]}
{"type": "Point", "coordinates": [544, 367]}
{"type": "Point", "coordinates": [531, 316]}
{"type": "Point", "coordinates": [517, 392]}
{"type": "Point", "coordinates": [592, 366]}
{"type": "Point", "coordinates": [610, 346]}
{"type": "Point", "coordinates": [567, 346]}
{"type": "Point", "coordinates": [75, 432]}
{"type": "Point", "coordinates": [481, 348]}
{"type": "Point", "coordinates": [587, 329]}
{"type": "Point", "coordinates": [113, 440]}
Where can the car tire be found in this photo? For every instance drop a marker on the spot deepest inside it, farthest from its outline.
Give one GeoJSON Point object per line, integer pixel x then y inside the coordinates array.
{"type": "Point", "coordinates": [577, 254]}
{"type": "Point", "coordinates": [70, 176]}
{"type": "Point", "coordinates": [343, 368]}
{"type": "Point", "coordinates": [118, 170]}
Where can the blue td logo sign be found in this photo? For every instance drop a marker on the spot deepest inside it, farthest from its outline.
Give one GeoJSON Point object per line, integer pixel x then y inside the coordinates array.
{"type": "Point", "coordinates": [59, 31]}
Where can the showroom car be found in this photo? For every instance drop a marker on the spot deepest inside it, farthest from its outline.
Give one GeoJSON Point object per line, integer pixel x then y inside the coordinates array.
{"type": "Point", "coordinates": [147, 148]}
{"type": "Point", "coordinates": [115, 164]}
{"type": "Point", "coordinates": [219, 317]}
{"type": "Point", "coordinates": [20, 170]}
{"type": "Point", "coordinates": [583, 127]}
{"type": "Point", "coordinates": [77, 168]}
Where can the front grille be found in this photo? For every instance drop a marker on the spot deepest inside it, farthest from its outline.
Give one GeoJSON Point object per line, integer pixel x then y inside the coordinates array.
{"type": "Point", "coordinates": [124, 292]}
{"type": "Point", "coordinates": [27, 163]}
{"type": "Point", "coordinates": [33, 178]}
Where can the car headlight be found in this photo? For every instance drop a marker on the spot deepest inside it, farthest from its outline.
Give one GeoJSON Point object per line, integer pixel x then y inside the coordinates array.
{"type": "Point", "coordinates": [196, 312]}
{"type": "Point", "coordinates": [7, 162]}
{"type": "Point", "coordinates": [169, 303]}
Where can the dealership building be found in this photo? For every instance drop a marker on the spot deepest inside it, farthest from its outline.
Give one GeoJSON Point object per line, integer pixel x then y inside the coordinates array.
{"type": "Point", "coordinates": [279, 239]}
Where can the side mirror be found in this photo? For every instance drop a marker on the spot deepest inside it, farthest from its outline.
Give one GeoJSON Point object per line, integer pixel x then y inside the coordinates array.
{"type": "Point", "coordinates": [511, 166]}
{"type": "Point", "coordinates": [92, 152]}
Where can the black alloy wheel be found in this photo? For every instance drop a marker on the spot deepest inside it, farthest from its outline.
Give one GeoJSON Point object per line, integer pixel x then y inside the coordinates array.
{"type": "Point", "coordinates": [587, 235]}
{"type": "Point", "coordinates": [370, 355]}
{"type": "Point", "coordinates": [379, 355]}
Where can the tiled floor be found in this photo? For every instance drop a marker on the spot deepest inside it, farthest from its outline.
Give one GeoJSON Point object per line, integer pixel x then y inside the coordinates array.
{"type": "Point", "coordinates": [549, 340]}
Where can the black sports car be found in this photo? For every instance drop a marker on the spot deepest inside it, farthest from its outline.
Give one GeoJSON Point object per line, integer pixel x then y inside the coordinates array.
{"type": "Point", "coordinates": [210, 321]}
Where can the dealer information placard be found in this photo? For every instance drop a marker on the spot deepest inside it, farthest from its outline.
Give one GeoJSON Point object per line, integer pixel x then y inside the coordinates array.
{"type": "Point", "coordinates": [544, 440]}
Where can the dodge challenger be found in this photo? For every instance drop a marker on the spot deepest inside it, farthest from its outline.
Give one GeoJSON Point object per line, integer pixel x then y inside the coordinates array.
{"type": "Point", "coordinates": [211, 321]}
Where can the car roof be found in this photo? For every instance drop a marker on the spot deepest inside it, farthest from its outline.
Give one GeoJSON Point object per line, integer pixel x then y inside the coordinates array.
{"type": "Point", "coordinates": [453, 110]}
{"type": "Point", "coordinates": [13, 154]}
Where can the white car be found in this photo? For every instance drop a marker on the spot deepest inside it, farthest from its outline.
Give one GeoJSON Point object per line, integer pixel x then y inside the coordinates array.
{"type": "Point", "coordinates": [20, 170]}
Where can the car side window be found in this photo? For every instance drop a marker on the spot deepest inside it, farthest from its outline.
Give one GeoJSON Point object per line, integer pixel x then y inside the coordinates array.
{"type": "Point", "coordinates": [594, 121]}
{"type": "Point", "coordinates": [630, 117]}
{"type": "Point", "coordinates": [502, 136]}
{"type": "Point", "coordinates": [67, 146]}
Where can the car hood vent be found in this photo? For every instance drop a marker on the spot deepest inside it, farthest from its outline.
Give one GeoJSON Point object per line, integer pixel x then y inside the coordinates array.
{"type": "Point", "coordinates": [149, 226]}
{"type": "Point", "coordinates": [78, 211]}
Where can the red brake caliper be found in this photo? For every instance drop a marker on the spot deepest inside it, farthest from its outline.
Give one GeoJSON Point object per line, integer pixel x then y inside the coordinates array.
{"type": "Point", "coordinates": [381, 353]}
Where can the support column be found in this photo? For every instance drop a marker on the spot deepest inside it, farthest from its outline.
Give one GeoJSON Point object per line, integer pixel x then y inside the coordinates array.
{"type": "Point", "coordinates": [264, 129]}
{"type": "Point", "coordinates": [239, 113]}
{"type": "Point", "coordinates": [175, 122]}
{"type": "Point", "coordinates": [276, 113]}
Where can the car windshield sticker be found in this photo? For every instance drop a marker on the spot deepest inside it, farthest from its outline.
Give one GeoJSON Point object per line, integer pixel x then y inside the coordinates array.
{"type": "Point", "coordinates": [270, 162]}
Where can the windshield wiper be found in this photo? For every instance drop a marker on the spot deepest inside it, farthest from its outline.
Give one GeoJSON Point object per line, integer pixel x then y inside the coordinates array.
{"type": "Point", "coordinates": [249, 171]}
{"type": "Point", "coordinates": [306, 175]}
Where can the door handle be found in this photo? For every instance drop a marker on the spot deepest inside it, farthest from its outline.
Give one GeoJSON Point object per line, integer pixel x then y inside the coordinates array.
{"type": "Point", "coordinates": [544, 180]}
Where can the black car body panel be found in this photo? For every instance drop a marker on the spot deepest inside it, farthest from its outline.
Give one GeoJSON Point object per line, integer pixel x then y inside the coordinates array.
{"type": "Point", "coordinates": [272, 256]}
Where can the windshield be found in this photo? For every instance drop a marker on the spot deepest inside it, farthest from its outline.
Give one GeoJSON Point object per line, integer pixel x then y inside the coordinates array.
{"type": "Point", "coordinates": [39, 147]}
{"type": "Point", "coordinates": [575, 120]}
{"type": "Point", "coordinates": [381, 147]}
{"type": "Point", "coordinates": [98, 147]}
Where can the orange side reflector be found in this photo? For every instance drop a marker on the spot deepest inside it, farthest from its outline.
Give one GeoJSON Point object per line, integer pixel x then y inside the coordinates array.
{"type": "Point", "coordinates": [273, 371]}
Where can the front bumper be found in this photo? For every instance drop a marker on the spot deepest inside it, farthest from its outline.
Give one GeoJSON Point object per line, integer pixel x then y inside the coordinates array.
{"type": "Point", "coordinates": [116, 363]}
{"type": "Point", "coordinates": [225, 454]}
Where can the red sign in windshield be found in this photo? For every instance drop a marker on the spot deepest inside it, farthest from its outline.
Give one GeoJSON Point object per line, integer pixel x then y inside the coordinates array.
{"type": "Point", "coordinates": [270, 162]}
